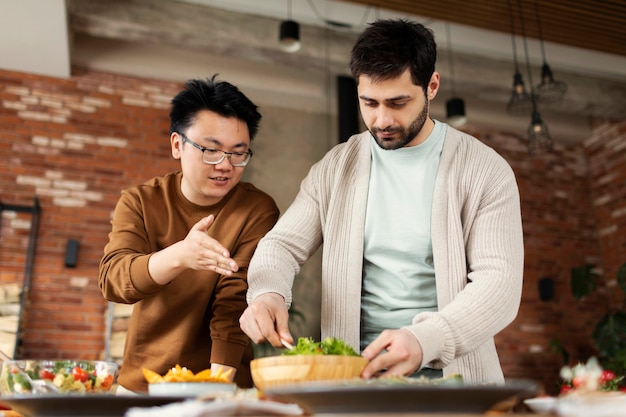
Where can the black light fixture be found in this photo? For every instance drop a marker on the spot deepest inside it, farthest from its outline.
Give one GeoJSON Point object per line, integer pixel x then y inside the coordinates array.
{"type": "Point", "coordinates": [289, 34]}
{"type": "Point", "coordinates": [455, 106]}
{"type": "Point", "coordinates": [539, 139]}
{"type": "Point", "coordinates": [520, 101]}
{"type": "Point", "coordinates": [549, 90]}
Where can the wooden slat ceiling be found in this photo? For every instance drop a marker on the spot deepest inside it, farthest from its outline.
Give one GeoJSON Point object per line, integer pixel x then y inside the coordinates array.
{"type": "Point", "coordinates": [589, 24]}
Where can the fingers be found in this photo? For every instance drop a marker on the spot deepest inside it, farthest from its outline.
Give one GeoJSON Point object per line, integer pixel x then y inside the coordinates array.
{"type": "Point", "coordinates": [394, 352]}
{"type": "Point", "coordinates": [207, 253]}
{"type": "Point", "coordinates": [219, 264]}
{"type": "Point", "coordinates": [266, 320]}
{"type": "Point", "coordinates": [204, 223]}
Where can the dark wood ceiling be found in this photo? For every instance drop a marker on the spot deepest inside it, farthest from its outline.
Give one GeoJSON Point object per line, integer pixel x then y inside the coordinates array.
{"type": "Point", "coordinates": [598, 25]}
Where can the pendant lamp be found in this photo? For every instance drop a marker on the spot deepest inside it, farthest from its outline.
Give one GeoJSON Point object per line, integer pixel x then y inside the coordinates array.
{"type": "Point", "coordinates": [455, 106]}
{"type": "Point", "coordinates": [539, 140]}
{"type": "Point", "coordinates": [520, 101]}
{"type": "Point", "coordinates": [289, 33]}
{"type": "Point", "coordinates": [549, 90]}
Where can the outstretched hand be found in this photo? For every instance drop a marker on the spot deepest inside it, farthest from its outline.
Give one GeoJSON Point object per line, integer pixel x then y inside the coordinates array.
{"type": "Point", "coordinates": [197, 251]}
{"type": "Point", "coordinates": [203, 252]}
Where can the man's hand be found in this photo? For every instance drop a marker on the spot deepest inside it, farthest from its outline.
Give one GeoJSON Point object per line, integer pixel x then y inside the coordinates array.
{"type": "Point", "coordinates": [197, 251]}
{"type": "Point", "coordinates": [267, 319]}
{"type": "Point", "coordinates": [204, 252]}
{"type": "Point", "coordinates": [403, 354]}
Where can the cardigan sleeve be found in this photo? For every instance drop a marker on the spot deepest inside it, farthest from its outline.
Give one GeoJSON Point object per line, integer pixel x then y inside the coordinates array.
{"type": "Point", "coordinates": [478, 253]}
{"type": "Point", "coordinates": [285, 248]}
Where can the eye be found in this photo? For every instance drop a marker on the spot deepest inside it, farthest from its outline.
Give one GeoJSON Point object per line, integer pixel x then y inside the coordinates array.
{"type": "Point", "coordinates": [211, 151]}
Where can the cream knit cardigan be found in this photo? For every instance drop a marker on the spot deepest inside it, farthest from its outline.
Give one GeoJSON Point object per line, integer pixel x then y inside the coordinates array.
{"type": "Point", "coordinates": [477, 247]}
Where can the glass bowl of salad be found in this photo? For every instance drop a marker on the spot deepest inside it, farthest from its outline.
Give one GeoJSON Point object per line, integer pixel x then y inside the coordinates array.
{"type": "Point", "coordinates": [40, 376]}
{"type": "Point", "coordinates": [308, 361]}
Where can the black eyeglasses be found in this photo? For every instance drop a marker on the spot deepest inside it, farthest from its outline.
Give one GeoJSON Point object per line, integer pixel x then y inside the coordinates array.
{"type": "Point", "coordinates": [215, 156]}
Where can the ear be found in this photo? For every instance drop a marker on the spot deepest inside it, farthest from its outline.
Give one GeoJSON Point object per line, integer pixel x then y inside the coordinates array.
{"type": "Point", "coordinates": [433, 86]}
{"type": "Point", "coordinates": [177, 145]}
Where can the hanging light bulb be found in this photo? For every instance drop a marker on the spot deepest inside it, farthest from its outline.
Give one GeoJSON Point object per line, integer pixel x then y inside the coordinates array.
{"type": "Point", "coordinates": [539, 140]}
{"type": "Point", "coordinates": [520, 102]}
{"type": "Point", "coordinates": [455, 106]}
{"type": "Point", "coordinates": [289, 34]}
{"type": "Point", "coordinates": [549, 90]}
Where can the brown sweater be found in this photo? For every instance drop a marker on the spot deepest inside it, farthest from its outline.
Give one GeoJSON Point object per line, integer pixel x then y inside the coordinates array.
{"type": "Point", "coordinates": [194, 320]}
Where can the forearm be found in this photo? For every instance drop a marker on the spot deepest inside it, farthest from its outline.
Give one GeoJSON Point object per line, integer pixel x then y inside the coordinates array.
{"type": "Point", "coordinates": [166, 264]}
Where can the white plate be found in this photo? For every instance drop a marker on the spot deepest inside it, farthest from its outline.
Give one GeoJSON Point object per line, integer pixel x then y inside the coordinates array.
{"type": "Point", "coordinates": [542, 405]}
{"type": "Point", "coordinates": [189, 389]}
{"type": "Point", "coordinates": [596, 404]}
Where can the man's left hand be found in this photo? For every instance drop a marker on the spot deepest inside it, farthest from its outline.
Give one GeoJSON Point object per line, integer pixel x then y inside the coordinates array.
{"type": "Point", "coordinates": [393, 353]}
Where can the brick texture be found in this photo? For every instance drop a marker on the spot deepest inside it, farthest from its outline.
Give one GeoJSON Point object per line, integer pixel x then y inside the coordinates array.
{"type": "Point", "coordinates": [76, 143]}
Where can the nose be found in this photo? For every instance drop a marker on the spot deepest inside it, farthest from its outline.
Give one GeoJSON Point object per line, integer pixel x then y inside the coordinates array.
{"type": "Point", "coordinates": [225, 163]}
{"type": "Point", "coordinates": [384, 117]}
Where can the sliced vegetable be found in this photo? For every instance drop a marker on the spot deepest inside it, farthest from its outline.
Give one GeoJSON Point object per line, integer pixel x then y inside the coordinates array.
{"type": "Point", "coordinates": [80, 374]}
{"type": "Point", "coordinates": [45, 374]}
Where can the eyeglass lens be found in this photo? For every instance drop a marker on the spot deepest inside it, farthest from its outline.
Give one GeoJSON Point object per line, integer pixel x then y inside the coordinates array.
{"type": "Point", "coordinates": [215, 156]}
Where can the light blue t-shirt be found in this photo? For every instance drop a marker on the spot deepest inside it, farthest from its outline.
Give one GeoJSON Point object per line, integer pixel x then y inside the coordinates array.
{"type": "Point", "coordinates": [398, 269]}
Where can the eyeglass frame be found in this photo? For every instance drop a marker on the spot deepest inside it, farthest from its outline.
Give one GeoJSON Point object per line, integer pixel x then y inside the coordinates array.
{"type": "Point", "coordinates": [224, 153]}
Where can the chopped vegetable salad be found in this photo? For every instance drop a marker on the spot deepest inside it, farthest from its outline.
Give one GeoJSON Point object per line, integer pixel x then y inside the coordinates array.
{"type": "Point", "coordinates": [67, 375]}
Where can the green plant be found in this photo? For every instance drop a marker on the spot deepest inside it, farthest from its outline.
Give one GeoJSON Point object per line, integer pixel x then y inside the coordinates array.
{"type": "Point", "coordinates": [609, 334]}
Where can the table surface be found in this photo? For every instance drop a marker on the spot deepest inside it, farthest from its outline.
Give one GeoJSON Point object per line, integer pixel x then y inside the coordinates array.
{"type": "Point", "coordinates": [9, 413]}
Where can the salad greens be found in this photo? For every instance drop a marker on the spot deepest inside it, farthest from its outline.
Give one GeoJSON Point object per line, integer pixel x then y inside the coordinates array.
{"type": "Point", "coordinates": [328, 346]}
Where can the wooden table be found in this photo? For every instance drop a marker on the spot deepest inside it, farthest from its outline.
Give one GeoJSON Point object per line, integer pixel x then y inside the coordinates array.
{"type": "Point", "coordinates": [9, 413]}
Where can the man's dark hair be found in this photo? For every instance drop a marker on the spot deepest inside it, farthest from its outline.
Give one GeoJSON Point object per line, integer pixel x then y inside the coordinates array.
{"type": "Point", "coordinates": [220, 97]}
{"type": "Point", "coordinates": [386, 48]}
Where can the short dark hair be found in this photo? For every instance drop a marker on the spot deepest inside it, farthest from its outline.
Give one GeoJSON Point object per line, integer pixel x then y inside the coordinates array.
{"type": "Point", "coordinates": [386, 48]}
{"type": "Point", "coordinates": [220, 97]}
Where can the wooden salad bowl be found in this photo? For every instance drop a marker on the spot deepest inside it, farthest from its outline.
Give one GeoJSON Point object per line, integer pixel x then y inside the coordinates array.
{"type": "Point", "coordinates": [273, 371]}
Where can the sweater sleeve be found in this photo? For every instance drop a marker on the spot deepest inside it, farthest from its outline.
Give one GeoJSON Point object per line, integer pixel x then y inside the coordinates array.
{"type": "Point", "coordinates": [283, 250]}
{"type": "Point", "coordinates": [123, 273]}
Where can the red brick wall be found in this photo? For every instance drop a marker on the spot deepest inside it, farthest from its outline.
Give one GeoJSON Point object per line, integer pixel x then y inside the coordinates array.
{"type": "Point", "coordinates": [607, 175]}
{"type": "Point", "coordinates": [76, 143]}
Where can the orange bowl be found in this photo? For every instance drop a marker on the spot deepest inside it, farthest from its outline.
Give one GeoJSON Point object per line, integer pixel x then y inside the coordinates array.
{"type": "Point", "coordinates": [273, 371]}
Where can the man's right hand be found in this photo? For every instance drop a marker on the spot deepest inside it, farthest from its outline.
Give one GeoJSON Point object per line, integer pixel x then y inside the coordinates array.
{"type": "Point", "coordinates": [267, 319]}
{"type": "Point", "coordinates": [198, 251]}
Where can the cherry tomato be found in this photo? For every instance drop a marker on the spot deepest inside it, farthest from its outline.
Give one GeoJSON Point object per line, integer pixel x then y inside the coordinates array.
{"type": "Point", "coordinates": [80, 374]}
{"type": "Point", "coordinates": [578, 382]}
{"type": "Point", "coordinates": [566, 388]}
{"type": "Point", "coordinates": [107, 382]}
{"type": "Point", "coordinates": [45, 374]}
{"type": "Point", "coordinates": [606, 376]}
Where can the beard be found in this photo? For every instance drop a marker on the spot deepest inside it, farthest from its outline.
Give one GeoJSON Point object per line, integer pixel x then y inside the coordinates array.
{"type": "Point", "coordinates": [404, 136]}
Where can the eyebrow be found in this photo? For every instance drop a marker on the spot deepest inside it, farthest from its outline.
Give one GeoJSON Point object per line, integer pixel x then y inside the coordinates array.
{"type": "Point", "coordinates": [387, 100]}
{"type": "Point", "coordinates": [217, 143]}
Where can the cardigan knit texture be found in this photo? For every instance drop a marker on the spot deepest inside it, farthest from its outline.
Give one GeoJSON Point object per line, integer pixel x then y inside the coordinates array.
{"type": "Point", "coordinates": [477, 245]}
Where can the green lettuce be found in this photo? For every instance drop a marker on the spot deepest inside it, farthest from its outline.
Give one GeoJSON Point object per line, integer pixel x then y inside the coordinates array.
{"type": "Point", "coordinates": [328, 346]}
